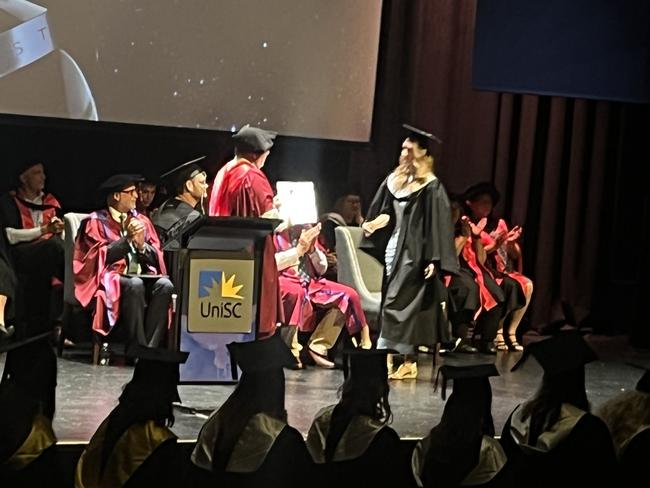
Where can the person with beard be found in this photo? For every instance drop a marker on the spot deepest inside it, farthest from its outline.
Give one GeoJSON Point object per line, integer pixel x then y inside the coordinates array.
{"type": "Point", "coordinates": [189, 187]}
{"type": "Point", "coordinates": [247, 441]}
{"type": "Point", "coordinates": [553, 439]}
{"type": "Point", "coordinates": [28, 453]}
{"type": "Point", "coordinates": [408, 227]}
{"type": "Point", "coordinates": [118, 266]}
{"type": "Point", "coordinates": [351, 442]}
{"type": "Point", "coordinates": [134, 445]}
{"type": "Point", "coordinates": [461, 449]}
{"type": "Point", "coordinates": [33, 228]}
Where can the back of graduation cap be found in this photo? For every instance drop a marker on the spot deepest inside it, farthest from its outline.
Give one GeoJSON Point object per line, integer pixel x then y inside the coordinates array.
{"type": "Point", "coordinates": [364, 364]}
{"type": "Point", "coordinates": [156, 372]}
{"type": "Point", "coordinates": [470, 379]}
{"type": "Point", "coordinates": [565, 351]}
{"type": "Point", "coordinates": [176, 177]}
{"type": "Point", "coordinates": [260, 356]}
{"type": "Point", "coordinates": [422, 137]}
{"type": "Point", "coordinates": [254, 139]}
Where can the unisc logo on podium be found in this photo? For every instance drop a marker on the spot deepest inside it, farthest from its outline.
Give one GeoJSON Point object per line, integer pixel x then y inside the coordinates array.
{"type": "Point", "coordinates": [220, 296]}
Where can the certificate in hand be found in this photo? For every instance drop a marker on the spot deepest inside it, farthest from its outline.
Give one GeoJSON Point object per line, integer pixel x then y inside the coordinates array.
{"type": "Point", "coordinates": [298, 202]}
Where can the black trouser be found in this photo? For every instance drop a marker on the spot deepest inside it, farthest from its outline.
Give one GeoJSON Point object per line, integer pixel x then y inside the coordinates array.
{"type": "Point", "coordinates": [136, 295]}
{"type": "Point", "coordinates": [487, 324]}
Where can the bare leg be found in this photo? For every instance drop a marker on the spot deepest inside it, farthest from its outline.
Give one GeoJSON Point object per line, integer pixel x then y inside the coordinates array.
{"type": "Point", "coordinates": [517, 315]}
{"type": "Point", "coordinates": [366, 343]}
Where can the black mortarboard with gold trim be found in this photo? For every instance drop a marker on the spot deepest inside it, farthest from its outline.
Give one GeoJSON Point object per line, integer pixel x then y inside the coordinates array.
{"type": "Point", "coordinates": [565, 351]}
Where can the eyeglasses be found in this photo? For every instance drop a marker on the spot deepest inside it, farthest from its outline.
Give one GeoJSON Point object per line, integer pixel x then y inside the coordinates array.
{"type": "Point", "coordinates": [132, 191]}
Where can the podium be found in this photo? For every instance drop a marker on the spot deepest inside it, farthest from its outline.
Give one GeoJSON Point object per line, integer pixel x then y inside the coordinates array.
{"type": "Point", "coordinates": [216, 265]}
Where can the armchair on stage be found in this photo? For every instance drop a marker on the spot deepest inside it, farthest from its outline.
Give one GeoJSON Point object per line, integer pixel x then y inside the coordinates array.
{"type": "Point", "coordinates": [216, 265]}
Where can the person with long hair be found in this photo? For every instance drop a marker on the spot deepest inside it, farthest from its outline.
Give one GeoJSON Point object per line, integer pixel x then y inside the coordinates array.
{"type": "Point", "coordinates": [351, 442]}
{"type": "Point", "coordinates": [501, 244]}
{"type": "Point", "coordinates": [28, 454]}
{"type": "Point", "coordinates": [247, 441]}
{"type": "Point", "coordinates": [134, 445]}
{"type": "Point", "coordinates": [409, 228]}
{"type": "Point", "coordinates": [553, 439]}
{"type": "Point", "coordinates": [628, 417]}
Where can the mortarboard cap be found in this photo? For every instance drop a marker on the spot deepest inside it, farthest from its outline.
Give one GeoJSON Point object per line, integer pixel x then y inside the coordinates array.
{"type": "Point", "coordinates": [261, 355]}
{"type": "Point", "coordinates": [254, 139]}
{"type": "Point", "coordinates": [483, 188]}
{"type": "Point", "coordinates": [117, 183]}
{"type": "Point", "coordinates": [362, 364]}
{"type": "Point", "coordinates": [423, 138]}
{"type": "Point", "coordinates": [465, 378]}
{"type": "Point", "coordinates": [180, 174]}
{"type": "Point", "coordinates": [26, 164]}
{"type": "Point", "coordinates": [156, 371]}
{"type": "Point", "coordinates": [565, 351]}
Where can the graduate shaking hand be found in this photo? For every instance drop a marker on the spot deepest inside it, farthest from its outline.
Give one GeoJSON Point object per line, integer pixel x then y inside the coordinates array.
{"type": "Point", "coordinates": [379, 222]}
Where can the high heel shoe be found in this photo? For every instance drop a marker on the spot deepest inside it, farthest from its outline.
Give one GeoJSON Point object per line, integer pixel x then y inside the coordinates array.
{"type": "Point", "coordinates": [406, 371]}
{"type": "Point", "coordinates": [500, 343]}
{"type": "Point", "coordinates": [512, 343]}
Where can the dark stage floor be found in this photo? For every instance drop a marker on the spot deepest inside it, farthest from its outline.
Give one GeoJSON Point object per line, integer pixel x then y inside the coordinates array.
{"type": "Point", "coordinates": [86, 394]}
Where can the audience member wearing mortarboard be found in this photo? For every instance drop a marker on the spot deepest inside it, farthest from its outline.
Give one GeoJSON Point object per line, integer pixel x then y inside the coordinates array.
{"type": "Point", "coordinates": [351, 442]}
{"type": "Point", "coordinates": [628, 417]}
{"type": "Point", "coordinates": [134, 446]}
{"type": "Point", "coordinates": [116, 248]}
{"type": "Point", "coordinates": [552, 439]}
{"type": "Point", "coordinates": [408, 227]}
{"type": "Point", "coordinates": [241, 189]}
{"type": "Point", "coordinates": [187, 187]}
{"type": "Point", "coordinates": [32, 226]}
{"type": "Point", "coordinates": [247, 441]}
{"type": "Point", "coordinates": [461, 449]}
{"type": "Point", "coordinates": [27, 404]}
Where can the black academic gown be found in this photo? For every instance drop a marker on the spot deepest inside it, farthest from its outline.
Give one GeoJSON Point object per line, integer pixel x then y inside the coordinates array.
{"type": "Point", "coordinates": [268, 453]}
{"type": "Point", "coordinates": [172, 218]}
{"type": "Point", "coordinates": [369, 453]}
{"type": "Point", "coordinates": [634, 458]}
{"type": "Point", "coordinates": [491, 469]}
{"type": "Point", "coordinates": [145, 455]}
{"type": "Point", "coordinates": [411, 311]}
{"type": "Point", "coordinates": [577, 451]}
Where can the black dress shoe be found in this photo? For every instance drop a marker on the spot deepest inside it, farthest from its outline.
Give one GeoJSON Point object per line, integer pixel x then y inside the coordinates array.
{"type": "Point", "coordinates": [488, 348]}
{"type": "Point", "coordinates": [466, 349]}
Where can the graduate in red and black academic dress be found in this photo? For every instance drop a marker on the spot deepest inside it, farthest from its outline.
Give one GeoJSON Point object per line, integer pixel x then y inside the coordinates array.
{"type": "Point", "coordinates": [552, 439]}
{"type": "Point", "coordinates": [115, 250]}
{"type": "Point", "coordinates": [241, 189]}
{"type": "Point", "coordinates": [134, 445]}
{"type": "Point", "coordinates": [247, 441]}
{"type": "Point", "coordinates": [27, 403]}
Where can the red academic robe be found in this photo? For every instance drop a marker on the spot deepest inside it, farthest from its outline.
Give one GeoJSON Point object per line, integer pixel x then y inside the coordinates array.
{"type": "Point", "coordinates": [241, 189]}
{"type": "Point", "coordinates": [26, 218]}
{"type": "Point", "coordinates": [93, 279]}
{"type": "Point", "coordinates": [300, 299]}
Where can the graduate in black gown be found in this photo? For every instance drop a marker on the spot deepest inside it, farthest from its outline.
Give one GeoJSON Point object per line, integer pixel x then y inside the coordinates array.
{"type": "Point", "coordinates": [351, 442]}
{"type": "Point", "coordinates": [27, 403]}
{"type": "Point", "coordinates": [134, 445]}
{"type": "Point", "coordinates": [461, 449]}
{"type": "Point", "coordinates": [7, 288]}
{"type": "Point", "coordinates": [247, 441]}
{"type": "Point", "coordinates": [187, 184]}
{"type": "Point", "coordinates": [408, 227]}
{"type": "Point", "coordinates": [628, 417]}
{"type": "Point", "coordinates": [552, 439]}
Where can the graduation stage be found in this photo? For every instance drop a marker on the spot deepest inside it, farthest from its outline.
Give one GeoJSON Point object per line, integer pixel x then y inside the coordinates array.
{"type": "Point", "coordinates": [86, 394]}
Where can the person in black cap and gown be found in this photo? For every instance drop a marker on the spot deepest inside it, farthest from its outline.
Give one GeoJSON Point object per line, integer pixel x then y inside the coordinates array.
{"type": "Point", "coordinates": [628, 417]}
{"type": "Point", "coordinates": [188, 186]}
{"type": "Point", "coordinates": [27, 403]}
{"type": "Point", "coordinates": [241, 189]}
{"type": "Point", "coordinates": [408, 227]}
{"type": "Point", "coordinates": [351, 442]}
{"type": "Point", "coordinates": [7, 289]}
{"type": "Point", "coordinates": [552, 439]}
{"type": "Point", "coordinates": [116, 248]}
{"type": "Point", "coordinates": [247, 441]}
{"type": "Point", "coordinates": [134, 445]}
{"type": "Point", "coordinates": [31, 222]}
{"type": "Point", "coordinates": [461, 449]}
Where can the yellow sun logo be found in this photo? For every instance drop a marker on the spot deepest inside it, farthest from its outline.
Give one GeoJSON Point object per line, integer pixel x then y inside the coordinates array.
{"type": "Point", "coordinates": [229, 289]}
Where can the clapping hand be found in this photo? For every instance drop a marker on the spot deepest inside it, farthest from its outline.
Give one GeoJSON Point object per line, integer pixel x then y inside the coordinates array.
{"type": "Point", "coordinates": [514, 234]}
{"type": "Point", "coordinates": [135, 233]}
{"type": "Point", "coordinates": [478, 227]}
{"type": "Point", "coordinates": [307, 240]}
{"type": "Point", "coordinates": [55, 226]}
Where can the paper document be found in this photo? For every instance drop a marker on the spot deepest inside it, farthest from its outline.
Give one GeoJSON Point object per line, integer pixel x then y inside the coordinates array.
{"type": "Point", "coordinates": [298, 202]}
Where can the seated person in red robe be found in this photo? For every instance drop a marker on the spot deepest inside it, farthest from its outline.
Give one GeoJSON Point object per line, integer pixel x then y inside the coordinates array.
{"type": "Point", "coordinates": [117, 265]}
{"type": "Point", "coordinates": [33, 229]}
{"type": "Point", "coordinates": [301, 264]}
{"type": "Point", "coordinates": [241, 189]}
